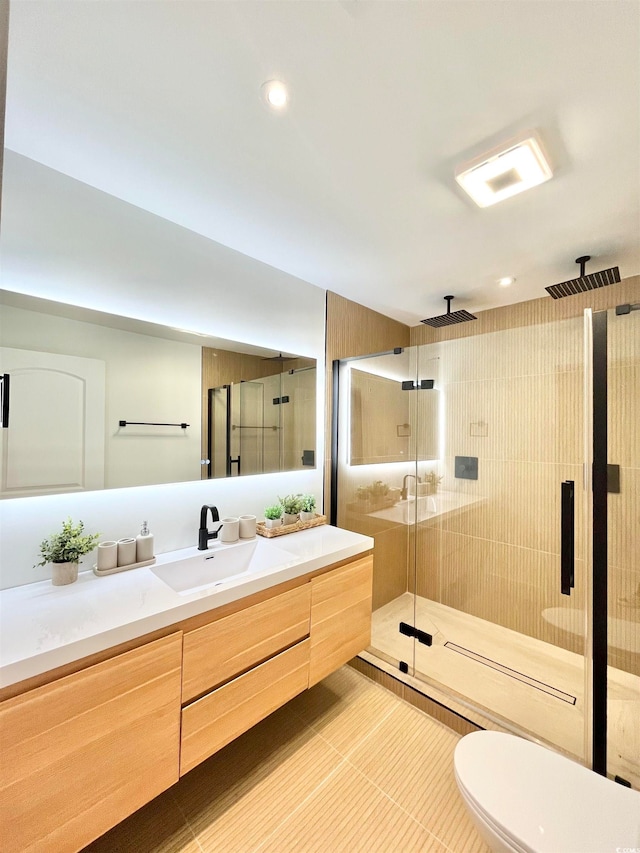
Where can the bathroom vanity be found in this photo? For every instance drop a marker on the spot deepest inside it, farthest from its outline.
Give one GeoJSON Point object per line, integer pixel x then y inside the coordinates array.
{"type": "Point", "coordinates": [122, 684]}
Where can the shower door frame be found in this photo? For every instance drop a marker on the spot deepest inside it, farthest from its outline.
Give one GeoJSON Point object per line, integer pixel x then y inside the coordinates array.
{"type": "Point", "coordinates": [600, 538]}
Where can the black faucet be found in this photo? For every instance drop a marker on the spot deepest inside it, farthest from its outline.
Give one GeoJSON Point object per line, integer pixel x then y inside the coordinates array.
{"type": "Point", "coordinates": [203, 532]}
{"type": "Point", "coordinates": [404, 494]}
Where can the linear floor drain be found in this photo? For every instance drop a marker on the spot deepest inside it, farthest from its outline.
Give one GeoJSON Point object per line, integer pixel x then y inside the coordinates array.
{"type": "Point", "coordinates": [513, 673]}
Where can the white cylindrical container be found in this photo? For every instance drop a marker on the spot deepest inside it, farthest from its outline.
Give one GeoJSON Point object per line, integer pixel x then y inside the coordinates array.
{"type": "Point", "coordinates": [247, 526]}
{"type": "Point", "coordinates": [144, 544]}
{"type": "Point", "coordinates": [126, 552]}
{"type": "Point", "coordinates": [230, 529]}
{"type": "Point", "coordinates": [107, 555]}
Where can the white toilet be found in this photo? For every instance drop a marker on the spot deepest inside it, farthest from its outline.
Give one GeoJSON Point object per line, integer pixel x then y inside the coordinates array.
{"type": "Point", "coordinates": [524, 798]}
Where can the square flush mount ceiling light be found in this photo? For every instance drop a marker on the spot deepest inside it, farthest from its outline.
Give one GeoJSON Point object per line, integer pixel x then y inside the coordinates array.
{"type": "Point", "coordinates": [504, 172]}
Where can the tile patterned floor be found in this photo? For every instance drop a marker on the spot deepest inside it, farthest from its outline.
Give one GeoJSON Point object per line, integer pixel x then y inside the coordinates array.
{"type": "Point", "coordinates": [510, 701]}
{"type": "Point", "coordinates": [346, 766]}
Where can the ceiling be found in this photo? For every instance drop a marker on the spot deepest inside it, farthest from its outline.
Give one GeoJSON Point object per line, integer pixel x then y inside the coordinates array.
{"type": "Point", "coordinates": [352, 188]}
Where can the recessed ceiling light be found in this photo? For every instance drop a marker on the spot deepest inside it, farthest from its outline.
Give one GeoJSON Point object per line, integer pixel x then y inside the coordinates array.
{"type": "Point", "coordinates": [275, 94]}
{"type": "Point", "coordinates": [506, 281]}
{"type": "Point", "coordinates": [504, 173]}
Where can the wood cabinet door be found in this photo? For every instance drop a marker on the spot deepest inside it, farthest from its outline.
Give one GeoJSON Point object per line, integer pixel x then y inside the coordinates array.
{"type": "Point", "coordinates": [340, 617]}
{"type": "Point", "coordinates": [84, 752]}
{"type": "Point", "coordinates": [221, 650]}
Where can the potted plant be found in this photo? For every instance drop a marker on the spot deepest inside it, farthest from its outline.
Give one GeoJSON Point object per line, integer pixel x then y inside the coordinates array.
{"type": "Point", "coordinates": [63, 551]}
{"type": "Point", "coordinates": [273, 516]}
{"type": "Point", "coordinates": [432, 482]}
{"type": "Point", "coordinates": [307, 508]}
{"type": "Point", "coordinates": [379, 492]}
{"type": "Point", "coordinates": [291, 508]}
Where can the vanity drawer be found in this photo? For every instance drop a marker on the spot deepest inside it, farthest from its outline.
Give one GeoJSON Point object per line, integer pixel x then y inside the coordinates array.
{"type": "Point", "coordinates": [212, 722]}
{"type": "Point", "coordinates": [221, 650]}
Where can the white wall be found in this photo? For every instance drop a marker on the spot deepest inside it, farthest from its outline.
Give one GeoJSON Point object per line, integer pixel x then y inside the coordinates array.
{"type": "Point", "coordinates": [66, 241]}
{"type": "Point", "coordinates": [148, 379]}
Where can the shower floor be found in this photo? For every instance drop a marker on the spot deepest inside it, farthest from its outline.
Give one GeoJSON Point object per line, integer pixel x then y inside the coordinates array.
{"type": "Point", "coordinates": [516, 680]}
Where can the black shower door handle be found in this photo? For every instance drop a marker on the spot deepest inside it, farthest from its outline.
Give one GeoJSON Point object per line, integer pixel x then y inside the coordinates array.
{"type": "Point", "coordinates": [4, 400]}
{"type": "Point", "coordinates": [567, 537]}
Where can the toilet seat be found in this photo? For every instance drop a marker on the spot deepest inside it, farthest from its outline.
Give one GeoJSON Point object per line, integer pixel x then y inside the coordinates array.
{"type": "Point", "coordinates": [534, 800]}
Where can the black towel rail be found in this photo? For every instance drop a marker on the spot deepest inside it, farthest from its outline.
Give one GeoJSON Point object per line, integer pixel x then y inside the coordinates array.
{"type": "Point", "coordinates": [148, 423]}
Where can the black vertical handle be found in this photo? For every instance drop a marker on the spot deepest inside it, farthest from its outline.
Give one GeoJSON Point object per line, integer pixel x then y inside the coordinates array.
{"type": "Point", "coordinates": [234, 462]}
{"type": "Point", "coordinates": [567, 538]}
{"type": "Point", "coordinates": [4, 394]}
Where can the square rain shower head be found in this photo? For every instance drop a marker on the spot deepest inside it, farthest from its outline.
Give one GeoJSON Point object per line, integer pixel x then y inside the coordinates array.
{"type": "Point", "coordinates": [584, 282]}
{"type": "Point", "coordinates": [448, 319]}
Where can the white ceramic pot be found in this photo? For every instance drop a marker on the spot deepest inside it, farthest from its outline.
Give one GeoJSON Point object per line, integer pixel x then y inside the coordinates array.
{"type": "Point", "coordinates": [63, 573]}
{"type": "Point", "coordinates": [307, 516]}
{"type": "Point", "coordinates": [270, 523]}
{"type": "Point", "coordinates": [288, 518]}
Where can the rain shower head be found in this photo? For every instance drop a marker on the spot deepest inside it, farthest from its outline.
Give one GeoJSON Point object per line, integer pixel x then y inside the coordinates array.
{"type": "Point", "coordinates": [584, 282]}
{"type": "Point", "coordinates": [281, 358]}
{"type": "Point", "coordinates": [450, 317]}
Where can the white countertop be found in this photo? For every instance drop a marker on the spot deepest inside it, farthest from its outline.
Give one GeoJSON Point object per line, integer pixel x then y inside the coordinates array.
{"type": "Point", "coordinates": [44, 626]}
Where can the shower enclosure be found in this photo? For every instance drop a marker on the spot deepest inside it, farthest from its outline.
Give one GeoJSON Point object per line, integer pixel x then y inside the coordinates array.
{"type": "Point", "coordinates": [498, 588]}
{"type": "Point", "coordinates": [261, 426]}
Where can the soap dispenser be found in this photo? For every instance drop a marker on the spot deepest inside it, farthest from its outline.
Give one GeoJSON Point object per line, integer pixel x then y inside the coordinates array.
{"type": "Point", "coordinates": [144, 544]}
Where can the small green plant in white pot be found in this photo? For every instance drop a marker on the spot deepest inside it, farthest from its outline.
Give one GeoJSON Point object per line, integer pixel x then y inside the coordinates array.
{"type": "Point", "coordinates": [273, 516]}
{"type": "Point", "coordinates": [291, 508]}
{"type": "Point", "coordinates": [63, 551]}
{"type": "Point", "coordinates": [307, 508]}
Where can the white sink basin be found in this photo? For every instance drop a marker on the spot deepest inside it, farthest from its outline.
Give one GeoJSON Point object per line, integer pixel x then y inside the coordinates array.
{"type": "Point", "coordinates": [219, 564]}
{"type": "Point", "coordinates": [426, 507]}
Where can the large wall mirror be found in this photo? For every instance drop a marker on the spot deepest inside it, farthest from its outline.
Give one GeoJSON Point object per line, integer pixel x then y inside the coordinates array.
{"type": "Point", "coordinates": [92, 400]}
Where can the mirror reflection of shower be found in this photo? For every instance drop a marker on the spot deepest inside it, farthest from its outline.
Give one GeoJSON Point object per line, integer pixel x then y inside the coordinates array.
{"type": "Point", "coordinates": [263, 425]}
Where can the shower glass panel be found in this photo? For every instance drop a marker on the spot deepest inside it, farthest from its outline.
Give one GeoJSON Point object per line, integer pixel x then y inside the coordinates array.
{"type": "Point", "coordinates": [623, 680]}
{"type": "Point", "coordinates": [219, 430]}
{"type": "Point", "coordinates": [377, 466]}
{"type": "Point", "coordinates": [488, 537]}
{"type": "Point", "coordinates": [249, 426]}
{"type": "Point", "coordinates": [297, 418]}
{"type": "Point", "coordinates": [471, 464]}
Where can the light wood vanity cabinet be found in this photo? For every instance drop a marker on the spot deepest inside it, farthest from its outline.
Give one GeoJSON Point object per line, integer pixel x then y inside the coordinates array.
{"type": "Point", "coordinates": [80, 754]}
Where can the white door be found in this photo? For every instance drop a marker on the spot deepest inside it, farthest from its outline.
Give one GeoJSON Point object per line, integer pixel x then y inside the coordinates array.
{"type": "Point", "coordinates": [55, 440]}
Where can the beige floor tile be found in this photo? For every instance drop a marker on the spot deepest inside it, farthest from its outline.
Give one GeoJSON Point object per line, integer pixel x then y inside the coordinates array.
{"type": "Point", "coordinates": [243, 793]}
{"type": "Point", "coordinates": [158, 827]}
{"type": "Point", "coordinates": [410, 758]}
{"type": "Point", "coordinates": [350, 815]}
{"type": "Point", "coordinates": [344, 708]}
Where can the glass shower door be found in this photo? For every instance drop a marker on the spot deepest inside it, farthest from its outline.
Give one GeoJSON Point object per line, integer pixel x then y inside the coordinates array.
{"type": "Point", "coordinates": [500, 456]}
{"type": "Point", "coordinates": [376, 473]}
{"type": "Point", "coordinates": [623, 504]}
{"type": "Point", "coordinates": [249, 426]}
